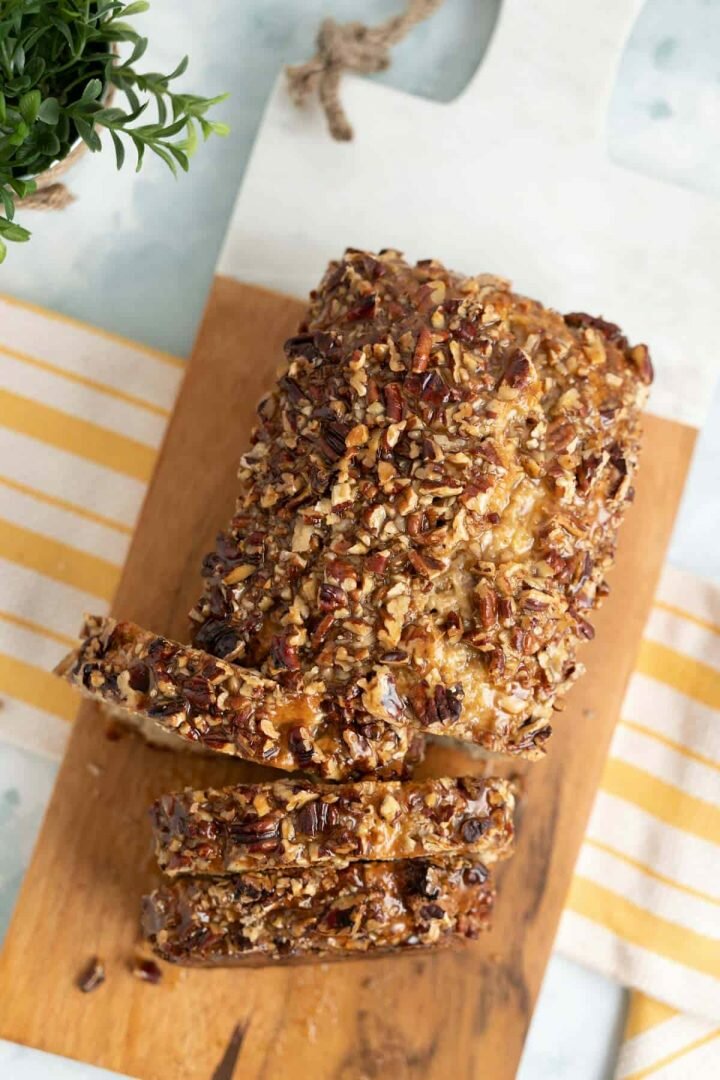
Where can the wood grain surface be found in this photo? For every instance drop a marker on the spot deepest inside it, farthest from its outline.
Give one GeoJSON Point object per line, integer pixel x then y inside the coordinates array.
{"type": "Point", "coordinates": [461, 1014]}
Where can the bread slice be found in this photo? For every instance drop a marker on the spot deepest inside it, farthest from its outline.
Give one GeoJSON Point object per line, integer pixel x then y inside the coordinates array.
{"type": "Point", "coordinates": [301, 823]}
{"type": "Point", "coordinates": [322, 913]}
{"type": "Point", "coordinates": [218, 706]}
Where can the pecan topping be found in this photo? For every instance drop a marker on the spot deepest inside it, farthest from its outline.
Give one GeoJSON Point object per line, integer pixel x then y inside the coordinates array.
{"type": "Point", "coordinates": [609, 330]}
{"type": "Point", "coordinates": [283, 653]}
{"type": "Point", "coordinates": [147, 971]}
{"type": "Point", "coordinates": [300, 745]}
{"type": "Point", "coordinates": [92, 976]}
{"type": "Point", "coordinates": [518, 371]}
{"type": "Point", "coordinates": [298, 823]}
{"type": "Point", "coordinates": [331, 597]}
{"type": "Point", "coordinates": [421, 355]}
{"type": "Point", "coordinates": [393, 401]}
{"type": "Point", "coordinates": [472, 829]}
{"type": "Point", "coordinates": [640, 357]}
{"type": "Point", "coordinates": [265, 916]}
{"type": "Point", "coordinates": [139, 677]}
{"type": "Point", "coordinates": [315, 817]}
{"type": "Point", "coordinates": [254, 831]}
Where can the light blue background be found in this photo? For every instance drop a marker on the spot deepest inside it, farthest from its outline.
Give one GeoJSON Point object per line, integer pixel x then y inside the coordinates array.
{"type": "Point", "coordinates": [148, 279]}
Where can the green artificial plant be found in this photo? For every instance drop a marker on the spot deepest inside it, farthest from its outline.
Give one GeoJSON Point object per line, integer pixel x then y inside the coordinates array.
{"type": "Point", "coordinates": [64, 73]}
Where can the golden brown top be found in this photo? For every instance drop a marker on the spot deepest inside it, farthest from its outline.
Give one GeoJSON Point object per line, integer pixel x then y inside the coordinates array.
{"type": "Point", "coordinates": [226, 708]}
{"type": "Point", "coordinates": [323, 911]}
{"type": "Point", "coordinates": [301, 823]}
{"type": "Point", "coordinates": [429, 507]}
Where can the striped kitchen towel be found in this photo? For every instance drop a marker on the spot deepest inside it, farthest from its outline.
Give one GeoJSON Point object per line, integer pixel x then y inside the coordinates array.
{"type": "Point", "coordinates": [667, 1044]}
{"type": "Point", "coordinates": [644, 906]}
{"type": "Point", "coordinates": [82, 414]}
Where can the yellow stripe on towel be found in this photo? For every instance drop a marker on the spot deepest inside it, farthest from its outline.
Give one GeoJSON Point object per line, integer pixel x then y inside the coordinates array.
{"type": "Point", "coordinates": [38, 628]}
{"type": "Point", "coordinates": [667, 803]}
{"type": "Point", "coordinates": [36, 687]}
{"type": "Point", "coordinates": [89, 573]}
{"type": "Point", "coordinates": [97, 331]}
{"type": "Point", "coordinates": [65, 504]}
{"type": "Point", "coordinates": [683, 673]}
{"type": "Point", "coordinates": [676, 1056]}
{"type": "Point", "coordinates": [673, 609]}
{"type": "Point", "coordinates": [645, 869]}
{"type": "Point", "coordinates": [645, 1013]}
{"type": "Point", "coordinates": [85, 380]}
{"type": "Point", "coordinates": [643, 928]}
{"type": "Point", "coordinates": [672, 744]}
{"type": "Point", "coordinates": [80, 437]}
{"type": "Point", "coordinates": [658, 1037]}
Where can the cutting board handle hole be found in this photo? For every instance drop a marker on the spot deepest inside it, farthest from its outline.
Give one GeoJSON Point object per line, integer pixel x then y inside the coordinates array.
{"type": "Point", "coordinates": [439, 59]}
{"type": "Point", "coordinates": [667, 94]}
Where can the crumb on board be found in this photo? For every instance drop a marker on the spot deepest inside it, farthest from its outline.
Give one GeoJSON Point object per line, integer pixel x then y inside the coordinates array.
{"type": "Point", "coordinates": [146, 970]}
{"type": "Point", "coordinates": [92, 975]}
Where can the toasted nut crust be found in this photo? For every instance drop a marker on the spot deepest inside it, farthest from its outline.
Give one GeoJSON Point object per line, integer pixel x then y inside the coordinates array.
{"type": "Point", "coordinates": [324, 913]}
{"type": "Point", "coordinates": [437, 478]}
{"type": "Point", "coordinates": [302, 823]}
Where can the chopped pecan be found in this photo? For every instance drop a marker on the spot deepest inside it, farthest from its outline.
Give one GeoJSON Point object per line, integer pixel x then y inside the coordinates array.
{"type": "Point", "coordinates": [284, 654]}
{"type": "Point", "coordinates": [518, 370]}
{"type": "Point", "coordinates": [421, 355]}
{"type": "Point", "coordinates": [393, 401]}
{"type": "Point", "coordinates": [613, 333]}
{"type": "Point", "coordinates": [92, 976]}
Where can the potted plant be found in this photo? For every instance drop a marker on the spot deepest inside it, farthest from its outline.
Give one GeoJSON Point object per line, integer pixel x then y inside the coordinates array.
{"type": "Point", "coordinates": [63, 76]}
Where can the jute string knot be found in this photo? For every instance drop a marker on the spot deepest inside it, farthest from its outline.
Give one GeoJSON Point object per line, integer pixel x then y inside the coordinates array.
{"type": "Point", "coordinates": [52, 197]}
{"type": "Point", "coordinates": [351, 47]}
{"type": "Point", "coordinates": [50, 194]}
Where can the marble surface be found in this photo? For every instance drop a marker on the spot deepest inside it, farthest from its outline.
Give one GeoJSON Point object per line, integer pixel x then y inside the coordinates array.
{"type": "Point", "coordinates": [135, 254]}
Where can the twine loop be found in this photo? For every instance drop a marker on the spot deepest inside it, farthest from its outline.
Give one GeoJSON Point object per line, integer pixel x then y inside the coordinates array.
{"type": "Point", "coordinates": [351, 47]}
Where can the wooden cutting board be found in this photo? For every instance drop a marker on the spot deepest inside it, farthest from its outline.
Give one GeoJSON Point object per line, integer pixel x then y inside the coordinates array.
{"type": "Point", "coordinates": [460, 1014]}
